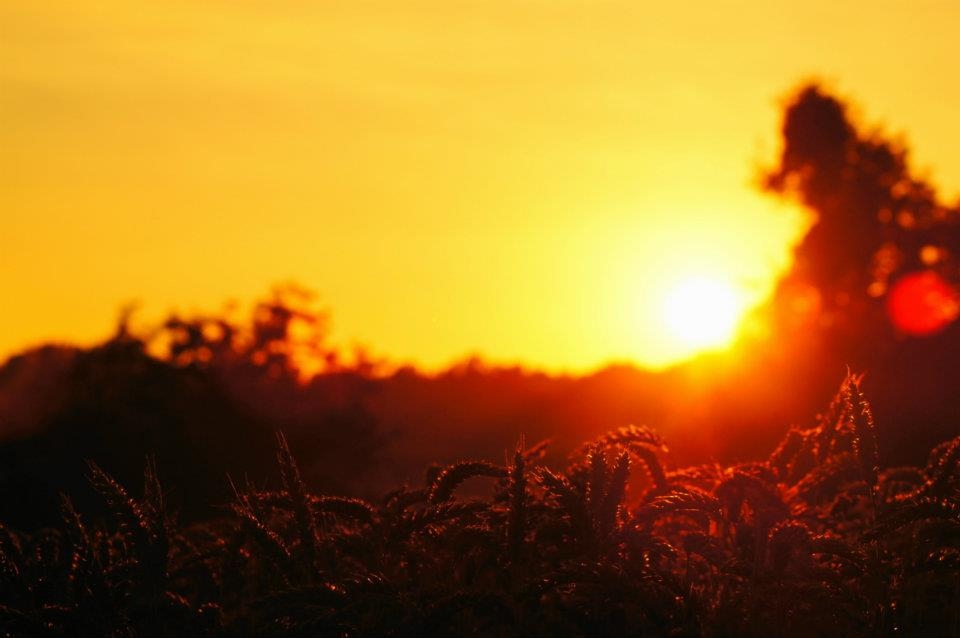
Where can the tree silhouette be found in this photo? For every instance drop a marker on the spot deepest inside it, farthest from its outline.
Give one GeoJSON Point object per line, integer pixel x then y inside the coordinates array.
{"type": "Point", "coordinates": [875, 281]}
{"type": "Point", "coordinates": [202, 394]}
{"type": "Point", "coordinates": [875, 221]}
{"type": "Point", "coordinates": [284, 339]}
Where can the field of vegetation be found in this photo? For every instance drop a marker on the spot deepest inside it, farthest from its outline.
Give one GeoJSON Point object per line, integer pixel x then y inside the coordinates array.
{"type": "Point", "coordinates": [814, 540]}
{"type": "Point", "coordinates": [268, 453]}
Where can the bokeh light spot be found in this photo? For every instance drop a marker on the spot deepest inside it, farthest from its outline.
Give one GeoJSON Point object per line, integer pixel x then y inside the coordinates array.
{"type": "Point", "coordinates": [922, 304]}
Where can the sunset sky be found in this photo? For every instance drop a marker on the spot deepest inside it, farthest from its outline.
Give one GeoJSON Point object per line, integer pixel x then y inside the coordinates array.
{"type": "Point", "coordinates": [528, 180]}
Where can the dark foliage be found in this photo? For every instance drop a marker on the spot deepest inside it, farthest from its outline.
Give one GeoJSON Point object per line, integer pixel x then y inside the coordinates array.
{"type": "Point", "coordinates": [206, 406]}
{"type": "Point", "coordinates": [815, 540]}
{"type": "Point", "coordinates": [830, 535]}
{"type": "Point", "coordinates": [875, 223]}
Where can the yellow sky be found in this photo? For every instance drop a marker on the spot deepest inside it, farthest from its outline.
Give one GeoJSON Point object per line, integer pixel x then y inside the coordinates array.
{"type": "Point", "coordinates": [523, 179]}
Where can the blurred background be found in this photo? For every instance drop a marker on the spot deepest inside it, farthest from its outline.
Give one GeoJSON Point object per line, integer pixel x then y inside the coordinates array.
{"type": "Point", "coordinates": [547, 219]}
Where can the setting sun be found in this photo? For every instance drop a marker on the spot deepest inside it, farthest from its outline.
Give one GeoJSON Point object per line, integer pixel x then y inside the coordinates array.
{"type": "Point", "coordinates": [515, 317]}
{"type": "Point", "coordinates": [702, 313]}
{"type": "Point", "coordinates": [500, 178]}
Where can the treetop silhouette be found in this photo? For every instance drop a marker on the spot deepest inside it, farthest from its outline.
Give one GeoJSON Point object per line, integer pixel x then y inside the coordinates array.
{"type": "Point", "coordinates": [876, 222]}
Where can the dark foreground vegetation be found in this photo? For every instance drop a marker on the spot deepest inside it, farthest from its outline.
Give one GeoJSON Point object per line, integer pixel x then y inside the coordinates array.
{"type": "Point", "coordinates": [815, 540]}
{"type": "Point", "coordinates": [618, 538]}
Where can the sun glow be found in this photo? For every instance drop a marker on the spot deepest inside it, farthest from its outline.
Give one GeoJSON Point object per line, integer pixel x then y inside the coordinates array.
{"type": "Point", "coordinates": [486, 177]}
{"type": "Point", "coordinates": [703, 313]}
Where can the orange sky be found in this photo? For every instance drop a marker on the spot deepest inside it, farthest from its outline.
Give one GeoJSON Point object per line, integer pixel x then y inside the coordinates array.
{"type": "Point", "coordinates": [523, 179]}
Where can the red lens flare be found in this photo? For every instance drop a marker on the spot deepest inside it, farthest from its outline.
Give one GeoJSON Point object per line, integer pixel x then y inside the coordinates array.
{"type": "Point", "coordinates": [922, 304]}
